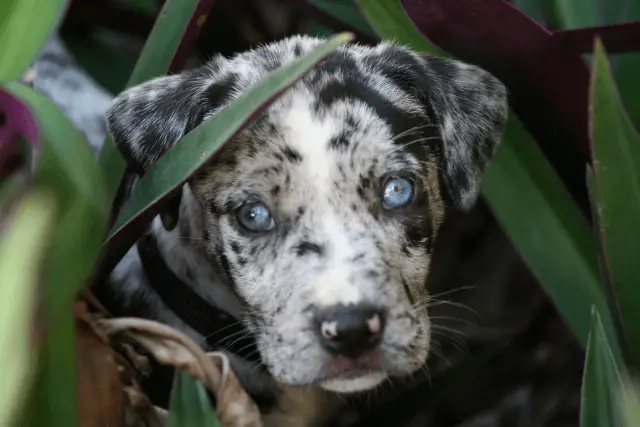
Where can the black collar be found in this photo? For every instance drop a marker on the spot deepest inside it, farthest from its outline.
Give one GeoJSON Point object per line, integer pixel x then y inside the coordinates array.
{"type": "Point", "coordinates": [221, 330]}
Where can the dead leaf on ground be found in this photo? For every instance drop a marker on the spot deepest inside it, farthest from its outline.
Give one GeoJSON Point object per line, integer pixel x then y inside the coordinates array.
{"type": "Point", "coordinates": [235, 408]}
{"type": "Point", "coordinates": [108, 391]}
{"type": "Point", "coordinates": [101, 399]}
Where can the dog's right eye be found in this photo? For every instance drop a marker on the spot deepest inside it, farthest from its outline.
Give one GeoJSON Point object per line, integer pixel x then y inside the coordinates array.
{"type": "Point", "coordinates": [255, 217]}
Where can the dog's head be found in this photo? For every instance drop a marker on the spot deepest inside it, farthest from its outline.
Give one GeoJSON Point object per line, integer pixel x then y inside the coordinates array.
{"type": "Point", "coordinates": [323, 213]}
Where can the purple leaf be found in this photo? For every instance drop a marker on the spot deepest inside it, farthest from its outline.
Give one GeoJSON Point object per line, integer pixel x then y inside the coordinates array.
{"type": "Point", "coordinates": [16, 124]}
{"type": "Point", "coordinates": [618, 38]}
{"type": "Point", "coordinates": [548, 85]}
{"type": "Point", "coordinates": [191, 33]}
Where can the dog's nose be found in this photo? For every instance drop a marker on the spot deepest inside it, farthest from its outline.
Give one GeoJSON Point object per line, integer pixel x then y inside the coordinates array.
{"type": "Point", "coordinates": [350, 330]}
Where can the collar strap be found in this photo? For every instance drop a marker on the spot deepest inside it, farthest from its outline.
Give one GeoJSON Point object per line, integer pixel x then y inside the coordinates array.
{"type": "Point", "coordinates": [220, 330]}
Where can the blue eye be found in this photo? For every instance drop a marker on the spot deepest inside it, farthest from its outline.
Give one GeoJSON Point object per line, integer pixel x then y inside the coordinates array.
{"type": "Point", "coordinates": [398, 192]}
{"type": "Point", "coordinates": [255, 217]}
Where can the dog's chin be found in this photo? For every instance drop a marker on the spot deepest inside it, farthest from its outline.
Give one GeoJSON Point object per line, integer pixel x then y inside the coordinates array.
{"type": "Point", "coordinates": [354, 385]}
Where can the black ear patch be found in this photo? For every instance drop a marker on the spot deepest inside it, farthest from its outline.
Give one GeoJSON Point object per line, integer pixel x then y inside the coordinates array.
{"type": "Point", "coordinates": [146, 120]}
{"type": "Point", "coordinates": [471, 108]}
{"type": "Point", "coordinates": [468, 105]}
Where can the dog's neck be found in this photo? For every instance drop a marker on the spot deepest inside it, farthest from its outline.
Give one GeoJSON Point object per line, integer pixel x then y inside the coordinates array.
{"type": "Point", "coordinates": [182, 250]}
{"type": "Point", "coordinates": [220, 329]}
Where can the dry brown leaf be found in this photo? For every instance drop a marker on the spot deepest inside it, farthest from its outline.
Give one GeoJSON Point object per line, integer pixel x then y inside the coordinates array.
{"type": "Point", "coordinates": [235, 406]}
{"type": "Point", "coordinates": [168, 346]}
{"type": "Point", "coordinates": [101, 400]}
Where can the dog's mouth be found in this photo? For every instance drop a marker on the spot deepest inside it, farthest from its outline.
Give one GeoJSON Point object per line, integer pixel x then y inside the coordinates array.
{"type": "Point", "coordinates": [349, 375]}
{"type": "Point", "coordinates": [354, 382]}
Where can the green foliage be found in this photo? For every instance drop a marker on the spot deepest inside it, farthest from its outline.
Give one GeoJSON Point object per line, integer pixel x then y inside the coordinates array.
{"type": "Point", "coordinates": [391, 23]}
{"type": "Point", "coordinates": [552, 236]}
{"type": "Point", "coordinates": [571, 14]}
{"type": "Point", "coordinates": [629, 403]}
{"type": "Point", "coordinates": [346, 11]}
{"type": "Point", "coordinates": [190, 405]}
{"type": "Point", "coordinates": [23, 32]}
{"type": "Point", "coordinates": [22, 252]}
{"type": "Point", "coordinates": [601, 380]}
{"type": "Point", "coordinates": [616, 153]}
{"type": "Point", "coordinates": [546, 227]}
{"type": "Point", "coordinates": [68, 170]}
{"type": "Point", "coordinates": [49, 250]}
{"type": "Point", "coordinates": [154, 61]}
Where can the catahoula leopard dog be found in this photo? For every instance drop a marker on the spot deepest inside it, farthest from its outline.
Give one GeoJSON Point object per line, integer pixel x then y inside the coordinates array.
{"type": "Point", "coordinates": [303, 249]}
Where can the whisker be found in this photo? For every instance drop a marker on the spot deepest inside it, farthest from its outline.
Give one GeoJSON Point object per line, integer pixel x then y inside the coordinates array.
{"type": "Point", "coordinates": [226, 348]}
{"type": "Point", "coordinates": [222, 329]}
{"type": "Point", "coordinates": [452, 291]}
{"type": "Point", "coordinates": [414, 130]}
{"type": "Point", "coordinates": [441, 328]}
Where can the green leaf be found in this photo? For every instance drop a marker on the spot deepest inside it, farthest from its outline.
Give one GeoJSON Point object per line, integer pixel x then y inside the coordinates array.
{"type": "Point", "coordinates": [629, 397]}
{"type": "Point", "coordinates": [554, 239]}
{"type": "Point", "coordinates": [532, 8]}
{"type": "Point", "coordinates": [24, 27]}
{"type": "Point", "coordinates": [22, 252]}
{"type": "Point", "coordinates": [345, 11]}
{"type": "Point", "coordinates": [601, 380]}
{"type": "Point", "coordinates": [390, 22]}
{"type": "Point", "coordinates": [570, 14]}
{"type": "Point", "coordinates": [149, 7]}
{"type": "Point", "coordinates": [190, 405]}
{"type": "Point", "coordinates": [603, 265]}
{"type": "Point", "coordinates": [197, 148]}
{"type": "Point", "coordinates": [67, 169]}
{"type": "Point", "coordinates": [54, 402]}
{"type": "Point", "coordinates": [67, 166]}
{"type": "Point", "coordinates": [154, 61]}
{"type": "Point", "coordinates": [616, 153]}
{"type": "Point", "coordinates": [99, 52]}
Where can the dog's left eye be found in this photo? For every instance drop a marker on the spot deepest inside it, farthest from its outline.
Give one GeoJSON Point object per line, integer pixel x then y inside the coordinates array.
{"type": "Point", "coordinates": [255, 217]}
{"type": "Point", "coordinates": [398, 192]}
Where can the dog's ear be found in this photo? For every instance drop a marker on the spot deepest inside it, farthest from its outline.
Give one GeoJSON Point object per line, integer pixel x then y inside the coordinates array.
{"type": "Point", "coordinates": [470, 108]}
{"type": "Point", "coordinates": [148, 119]}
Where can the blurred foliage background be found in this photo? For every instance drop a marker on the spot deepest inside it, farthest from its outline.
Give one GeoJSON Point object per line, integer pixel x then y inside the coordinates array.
{"type": "Point", "coordinates": [536, 295]}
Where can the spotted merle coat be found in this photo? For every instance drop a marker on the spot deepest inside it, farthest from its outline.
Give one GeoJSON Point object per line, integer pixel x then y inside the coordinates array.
{"type": "Point", "coordinates": [304, 248]}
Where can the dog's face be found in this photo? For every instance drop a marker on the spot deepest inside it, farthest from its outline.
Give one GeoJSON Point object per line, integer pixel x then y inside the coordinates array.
{"type": "Point", "coordinates": [322, 214]}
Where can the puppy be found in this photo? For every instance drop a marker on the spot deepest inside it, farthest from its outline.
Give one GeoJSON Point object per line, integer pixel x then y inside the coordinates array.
{"type": "Point", "coordinates": [303, 249]}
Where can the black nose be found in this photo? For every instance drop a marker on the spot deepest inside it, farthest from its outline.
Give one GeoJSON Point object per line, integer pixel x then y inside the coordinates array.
{"type": "Point", "coordinates": [350, 330]}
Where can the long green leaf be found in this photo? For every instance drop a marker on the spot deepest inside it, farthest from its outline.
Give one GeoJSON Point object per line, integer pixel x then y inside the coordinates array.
{"type": "Point", "coordinates": [24, 27]}
{"type": "Point", "coordinates": [190, 405]}
{"type": "Point", "coordinates": [68, 169]}
{"type": "Point", "coordinates": [538, 215]}
{"type": "Point", "coordinates": [616, 152]}
{"type": "Point", "coordinates": [154, 61]}
{"type": "Point", "coordinates": [601, 380]}
{"type": "Point", "coordinates": [629, 397]}
{"type": "Point", "coordinates": [196, 149]}
{"type": "Point", "coordinates": [22, 253]}
{"type": "Point", "coordinates": [346, 11]}
{"type": "Point", "coordinates": [569, 14]}
{"type": "Point", "coordinates": [626, 65]}
{"type": "Point", "coordinates": [532, 8]}
{"type": "Point", "coordinates": [390, 22]}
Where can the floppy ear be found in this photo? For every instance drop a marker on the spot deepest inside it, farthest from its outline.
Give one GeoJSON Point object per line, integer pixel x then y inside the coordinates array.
{"type": "Point", "coordinates": [470, 107]}
{"type": "Point", "coordinates": [145, 121]}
